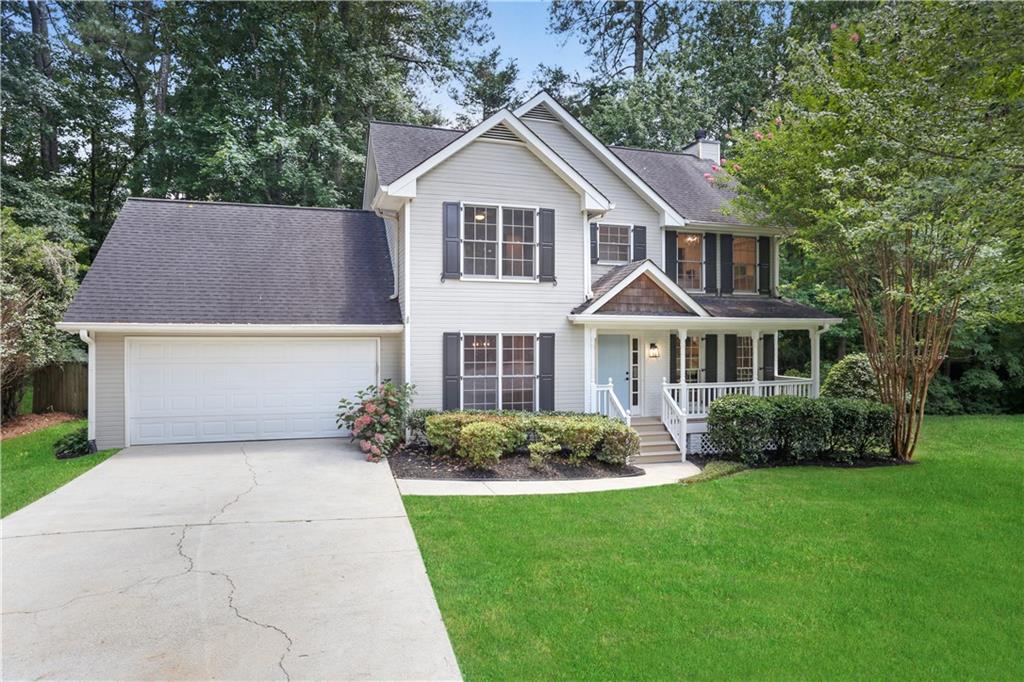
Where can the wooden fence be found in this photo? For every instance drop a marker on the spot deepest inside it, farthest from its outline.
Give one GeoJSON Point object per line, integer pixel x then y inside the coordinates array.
{"type": "Point", "coordinates": [61, 388]}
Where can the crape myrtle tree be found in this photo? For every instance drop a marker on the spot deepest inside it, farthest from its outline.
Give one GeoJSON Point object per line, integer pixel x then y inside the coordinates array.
{"type": "Point", "coordinates": [895, 155]}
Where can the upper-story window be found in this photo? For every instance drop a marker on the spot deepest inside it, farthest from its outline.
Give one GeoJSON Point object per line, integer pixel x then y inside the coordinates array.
{"type": "Point", "coordinates": [488, 231]}
{"type": "Point", "coordinates": [744, 264]}
{"type": "Point", "coordinates": [613, 243]}
{"type": "Point", "coordinates": [690, 248]}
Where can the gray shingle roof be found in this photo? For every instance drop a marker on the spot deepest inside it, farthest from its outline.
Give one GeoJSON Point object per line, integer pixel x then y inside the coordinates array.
{"type": "Point", "coordinates": [607, 282]}
{"type": "Point", "coordinates": [398, 148]}
{"type": "Point", "coordinates": [216, 263]}
{"type": "Point", "coordinates": [757, 306]}
{"type": "Point", "coordinates": [679, 179]}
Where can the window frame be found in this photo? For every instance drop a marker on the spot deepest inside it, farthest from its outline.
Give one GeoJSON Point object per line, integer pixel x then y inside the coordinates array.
{"type": "Point", "coordinates": [500, 242]}
{"type": "Point", "coordinates": [703, 261]}
{"type": "Point", "coordinates": [684, 358]}
{"type": "Point", "coordinates": [499, 364]}
{"type": "Point", "coordinates": [742, 340]}
{"type": "Point", "coordinates": [629, 244]}
{"type": "Point", "coordinates": [735, 289]}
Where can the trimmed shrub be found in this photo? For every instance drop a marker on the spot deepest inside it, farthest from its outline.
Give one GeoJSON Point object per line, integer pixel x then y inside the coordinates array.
{"type": "Point", "coordinates": [416, 422]}
{"type": "Point", "coordinates": [619, 444]}
{"type": "Point", "coordinates": [801, 427]}
{"type": "Point", "coordinates": [579, 435]}
{"type": "Point", "coordinates": [443, 428]}
{"type": "Point", "coordinates": [740, 426]}
{"type": "Point", "coordinates": [980, 391]}
{"type": "Point", "coordinates": [860, 428]}
{"type": "Point", "coordinates": [74, 444]}
{"type": "Point", "coordinates": [482, 443]}
{"type": "Point", "coordinates": [851, 377]}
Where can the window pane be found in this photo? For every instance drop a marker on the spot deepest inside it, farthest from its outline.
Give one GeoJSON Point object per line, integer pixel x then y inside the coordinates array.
{"type": "Point", "coordinates": [518, 372]}
{"type": "Point", "coordinates": [613, 242]}
{"type": "Point", "coordinates": [480, 240]}
{"type": "Point", "coordinates": [480, 394]}
{"type": "Point", "coordinates": [690, 260]}
{"type": "Point", "coordinates": [518, 235]}
{"type": "Point", "coordinates": [744, 264]}
{"type": "Point", "coordinates": [479, 355]}
{"type": "Point", "coordinates": [744, 358]}
{"type": "Point", "coordinates": [692, 359]}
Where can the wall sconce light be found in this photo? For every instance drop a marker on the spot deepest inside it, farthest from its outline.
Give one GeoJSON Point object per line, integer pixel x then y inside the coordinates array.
{"type": "Point", "coordinates": [653, 351]}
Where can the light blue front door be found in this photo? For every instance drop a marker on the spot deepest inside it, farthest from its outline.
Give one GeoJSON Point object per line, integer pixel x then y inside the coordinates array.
{"type": "Point", "coordinates": [613, 361]}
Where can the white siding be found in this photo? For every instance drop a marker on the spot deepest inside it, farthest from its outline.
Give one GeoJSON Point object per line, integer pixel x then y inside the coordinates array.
{"type": "Point", "coordinates": [630, 207]}
{"type": "Point", "coordinates": [495, 172]}
{"type": "Point", "coordinates": [110, 382]}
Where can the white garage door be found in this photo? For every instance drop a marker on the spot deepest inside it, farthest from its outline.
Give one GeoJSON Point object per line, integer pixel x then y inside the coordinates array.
{"type": "Point", "coordinates": [184, 390]}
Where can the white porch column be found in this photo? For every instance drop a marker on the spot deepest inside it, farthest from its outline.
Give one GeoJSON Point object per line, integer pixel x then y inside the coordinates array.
{"type": "Point", "coordinates": [589, 337]}
{"type": "Point", "coordinates": [815, 362]}
{"type": "Point", "coordinates": [775, 357]}
{"type": "Point", "coordinates": [755, 338]}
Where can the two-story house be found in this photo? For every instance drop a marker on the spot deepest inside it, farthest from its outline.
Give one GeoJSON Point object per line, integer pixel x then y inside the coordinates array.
{"type": "Point", "coordinates": [519, 265]}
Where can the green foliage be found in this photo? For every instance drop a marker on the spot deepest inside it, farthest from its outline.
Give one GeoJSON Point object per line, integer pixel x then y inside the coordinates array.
{"type": "Point", "coordinates": [483, 442]}
{"type": "Point", "coordinates": [377, 417]}
{"type": "Point", "coordinates": [741, 426]}
{"type": "Point", "coordinates": [979, 391]}
{"type": "Point", "coordinates": [487, 87]}
{"type": "Point", "coordinates": [619, 444]}
{"type": "Point", "coordinates": [416, 422]}
{"type": "Point", "coordinates": [860, 428]}
{"type": "Point", "coordinates": [942, 397]}
{"type": "Point", "coordinates": [37, 284]}
{"type": "Point", "coordinates": [800, 427]}
{"type": "Point", "coordinates": [74, 444]}
{"type": "Point", "coordinates": [851, 377]}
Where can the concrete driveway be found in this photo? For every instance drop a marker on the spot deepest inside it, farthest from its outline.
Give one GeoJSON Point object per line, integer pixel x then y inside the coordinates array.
{"type": "Point", "coordinates": [270, 560]}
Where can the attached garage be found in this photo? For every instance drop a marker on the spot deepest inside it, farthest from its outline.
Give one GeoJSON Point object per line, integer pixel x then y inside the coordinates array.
{"type": "Point", "coordinates": [229, 389]}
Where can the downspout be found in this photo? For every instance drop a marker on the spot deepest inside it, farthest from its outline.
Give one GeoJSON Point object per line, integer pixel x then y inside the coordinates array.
{"type": "Point", "coordinates": [391, 215]}
{"type": "Point", "coordinates": [91, 389]}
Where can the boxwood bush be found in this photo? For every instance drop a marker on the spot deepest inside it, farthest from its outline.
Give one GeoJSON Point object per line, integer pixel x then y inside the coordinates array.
{"type": "Point", "coordinates": [572, 435]}
{"type": "Point", "coordinates": [851, 377]}
{"type": "Point", "coordinates": [780, 429]}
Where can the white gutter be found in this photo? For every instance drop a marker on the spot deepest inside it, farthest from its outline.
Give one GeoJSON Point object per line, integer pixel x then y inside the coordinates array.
{"type": "Point", "coordinates": [695, 322]}
{"type": "Point", "coordinates": [91, 388]}
{"type": "Point", "coordinates": [240, 329]}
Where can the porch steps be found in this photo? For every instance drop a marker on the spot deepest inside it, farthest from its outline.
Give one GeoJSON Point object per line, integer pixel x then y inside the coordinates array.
{"type": "Point", "coordinates": [656, 445]}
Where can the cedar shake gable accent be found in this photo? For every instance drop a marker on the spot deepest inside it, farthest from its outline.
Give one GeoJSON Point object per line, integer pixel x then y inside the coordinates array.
{"type": "Point", "coordinates": [622, 278]}
{"type": "Point", "coordinates": [643, 296]}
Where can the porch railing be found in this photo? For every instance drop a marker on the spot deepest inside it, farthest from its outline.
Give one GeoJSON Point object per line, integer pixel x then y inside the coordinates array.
{"type": "Point", "coordinates": [700, 396]}
{"type": "Point", "coordinates": [608, 404]}
{"type": "Point", "coordinates": [673, 416]}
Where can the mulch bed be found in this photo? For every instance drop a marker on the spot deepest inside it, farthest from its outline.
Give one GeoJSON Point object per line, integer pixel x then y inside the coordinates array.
{"type": "Point", "coordinates": [421, 462]}
{"type": "Point", "coordinates": [27, 423]}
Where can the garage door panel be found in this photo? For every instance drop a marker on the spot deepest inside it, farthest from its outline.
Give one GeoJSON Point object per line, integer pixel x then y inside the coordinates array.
{"type": "Point", "coordinates": [186, 390]}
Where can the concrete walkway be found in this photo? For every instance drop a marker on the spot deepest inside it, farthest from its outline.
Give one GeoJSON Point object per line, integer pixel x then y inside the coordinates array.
{"type": "Point", "coordinates": [272, 560]}
{"type": "Point", "coordinates": [655, 474]}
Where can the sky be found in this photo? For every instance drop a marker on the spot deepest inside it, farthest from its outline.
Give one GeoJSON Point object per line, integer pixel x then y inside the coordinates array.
{"type": "Point", "coordinates": [521, 31]}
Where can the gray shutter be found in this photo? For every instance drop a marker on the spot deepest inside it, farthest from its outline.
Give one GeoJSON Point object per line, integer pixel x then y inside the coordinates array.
{"type": "Point", "coordinates": [671, 255]}
{"type": "Point", "coordinates": [547, 245]}
{"type": "Point", "coordinates": [673, 359]}
{"type": "Point", "coordinates": [710, 264]}
{"type": "Point", "coordinates": [639, 242]}
{"type": "Point", "coordinates": [450, 367]}
{"type": "Point", "coordinates": [764, 265]}
{"type": "Point", "coordinates": [450, 231]}
{"type": "Point", "coordinates": [768, 353]}
{"type": "Point", "coordinates": [546, 399]}
{"type": "Point", "coordinates": [593, 242]}
{"type": "Point", "coordinates": [711, 358]}
{"type": "Point", "coordinates": [725, 242]}
{"type": "Point", "coordinates": [730, 357]}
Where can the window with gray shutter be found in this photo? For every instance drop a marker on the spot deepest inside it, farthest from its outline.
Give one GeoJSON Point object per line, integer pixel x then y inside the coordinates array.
{"type": "Point", "coordinates": [768, 353]}
{"type": "Point", "coordinates": [450, 390]}
{"type": "Point", "coordinates": [593, 243]}
{"type": "Point", "coordinates": [639, 242]}
{"type": "Point", "coordinates": [725, 246]}
{"type": "Point", "coordinates": [546, 399]}
{"type": "Point", "coordinates": [764, 265]}
{"type": "Point", "coordinates": [711, 358]}
{"type": "Point", "coordinates": [711, 264]}
{"type": "Point", "coordinates": [730, 357]}
{"type": "Point", "coordinates": [671, 255]}
{"type": "Point", "coordinates": [450, 220]}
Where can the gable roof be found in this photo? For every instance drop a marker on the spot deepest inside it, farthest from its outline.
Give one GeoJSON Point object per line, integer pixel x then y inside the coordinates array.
{"type": "Point", "coordinates": [181, 262]}
{"type": "Point", "coordinates": [398, 147]}
{"type": "Point", "coordinates": [621, 276]}
{"type": "Point", "coordinates": [670, 215]}
{"type": "Point", "coordinates": [679, 177]}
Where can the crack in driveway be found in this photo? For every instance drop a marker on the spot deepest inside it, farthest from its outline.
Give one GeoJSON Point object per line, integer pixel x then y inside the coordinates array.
{"type": "Point", "coordinates": [253, 486]}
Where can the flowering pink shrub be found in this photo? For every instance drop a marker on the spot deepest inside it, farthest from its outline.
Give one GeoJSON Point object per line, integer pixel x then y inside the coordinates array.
{"type": "Point", "coordinates": [376, 417]}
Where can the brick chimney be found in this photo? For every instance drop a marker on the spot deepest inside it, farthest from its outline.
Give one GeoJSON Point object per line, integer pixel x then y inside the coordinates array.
{"type": "Point", "coordinates": [704, 147]}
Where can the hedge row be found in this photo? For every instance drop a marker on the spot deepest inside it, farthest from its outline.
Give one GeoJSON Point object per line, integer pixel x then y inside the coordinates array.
{"type": "Point", "coordinates": [760, 431]}
{"type": "Point", "coordinates": [482, 438]}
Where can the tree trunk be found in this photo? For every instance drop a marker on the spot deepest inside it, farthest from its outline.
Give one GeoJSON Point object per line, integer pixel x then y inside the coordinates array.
{"type": "Point", "coordinates": [163, 79]}
{"type": "Point", "coordinates": [638, 38]}
{"type": "Point", "coordinates": [47, 128]}
{"type": "Point", "coordinates": [10, 400]}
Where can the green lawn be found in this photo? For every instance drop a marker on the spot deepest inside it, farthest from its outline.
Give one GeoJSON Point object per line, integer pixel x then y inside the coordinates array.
{"type": "Point", "coordinates": [29, 470]}
{"type": "Point", "coordinates": [797, 573]}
